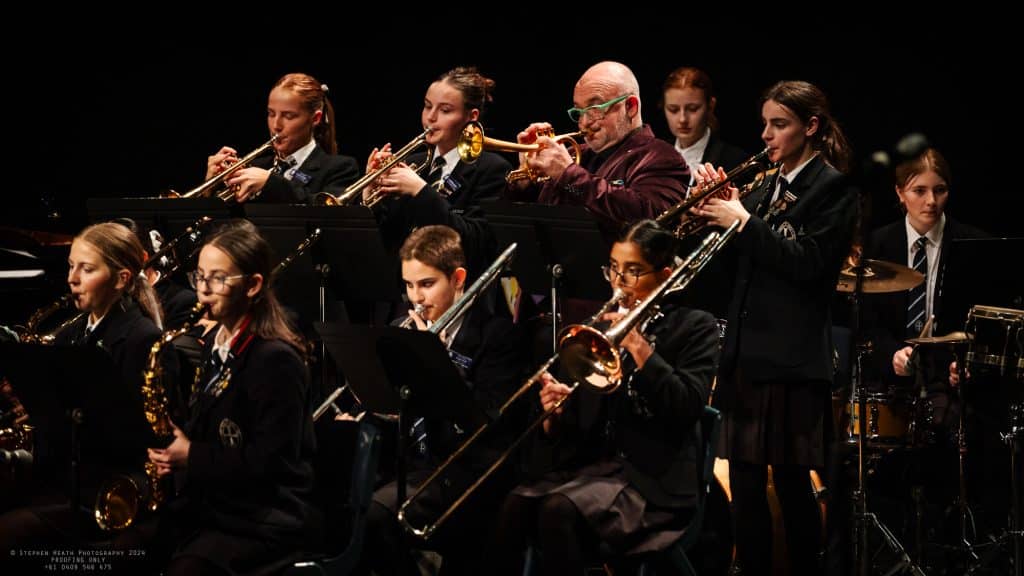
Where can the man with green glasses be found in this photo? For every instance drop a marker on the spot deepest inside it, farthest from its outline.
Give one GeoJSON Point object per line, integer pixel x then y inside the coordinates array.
{"type": "Point", "coordinates": [625, 173]}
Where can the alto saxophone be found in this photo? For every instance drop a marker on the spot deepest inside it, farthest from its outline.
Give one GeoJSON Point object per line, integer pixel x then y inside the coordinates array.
{"type": "Point", "coordinates": [119, 499]}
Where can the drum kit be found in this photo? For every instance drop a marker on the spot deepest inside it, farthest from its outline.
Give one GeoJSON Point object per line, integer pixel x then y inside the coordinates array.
{"type": "Point", "coordinates": [989, 349]}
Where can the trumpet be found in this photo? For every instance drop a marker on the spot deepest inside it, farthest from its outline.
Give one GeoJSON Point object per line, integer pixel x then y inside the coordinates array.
{"type": "Point", "coordinates": [472, 142]}
{"type": "Point", "coordinates": [354, 192]}
{"type": "Point", "coordinates": [212, 186]}
{"type": "Point", "coordinates": [680, 211]}
{"type": "Point", "coordinates": [589, 355]}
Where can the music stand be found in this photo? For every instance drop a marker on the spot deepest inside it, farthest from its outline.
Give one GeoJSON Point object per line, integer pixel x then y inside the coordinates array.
{"type": "Point", "coordinates": [360, 268]}
{"type": "Point", "coordinates": [395, 371]}
{"type": "Point", "coordinates": [171, 216]}
{"type": "Point", "coordinates": [560, 249]}
{"type": "Point", "coordinates": [81, 411]}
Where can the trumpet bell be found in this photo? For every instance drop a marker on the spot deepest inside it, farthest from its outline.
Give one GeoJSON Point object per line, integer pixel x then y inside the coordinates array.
{"type": "Point", "coordinates": [588, 356]}
{"type": "Point", "coordinates": [325, 199]}
{"type": "Point", "coordinates": [471, 143]}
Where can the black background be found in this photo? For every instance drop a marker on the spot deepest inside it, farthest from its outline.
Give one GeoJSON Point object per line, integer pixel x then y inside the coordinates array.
{"type": "Point", "coordinates": [102, 110]}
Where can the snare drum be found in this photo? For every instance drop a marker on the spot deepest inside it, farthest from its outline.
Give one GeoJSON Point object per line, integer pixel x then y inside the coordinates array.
{"type": "Point", "coordinates": [997, 338]}
{"type": "Point", "coordinates": [889, 421]}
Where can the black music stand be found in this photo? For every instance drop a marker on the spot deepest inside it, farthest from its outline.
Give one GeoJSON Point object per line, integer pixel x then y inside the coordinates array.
{"type": "Point", "coordinates": [395, 371]}
{"type": "Point", "coordinates": [560, 250]}
{"type": "Point", "coordinates": [359, 267]}
{"type": "Point", "coordinates": [171, 216]}
{"type": "Point", "coordinates": [83, 414]}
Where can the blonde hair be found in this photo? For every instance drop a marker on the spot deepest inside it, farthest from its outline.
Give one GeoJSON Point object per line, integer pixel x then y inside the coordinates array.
{"type": "Point", "coordinates": [121, 250]}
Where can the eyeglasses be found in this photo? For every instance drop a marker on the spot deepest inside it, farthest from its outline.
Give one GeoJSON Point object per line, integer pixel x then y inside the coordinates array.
{"type": "Point", "coordinates": [627, 279]}
{"type": "Point", "coordinates": [595, 112]}
{"type": "Point", "coordinates": [217, 283]}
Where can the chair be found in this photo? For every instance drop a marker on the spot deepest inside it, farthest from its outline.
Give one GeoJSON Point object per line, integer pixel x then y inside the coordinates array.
{"type": "Point", "coordinates": [710, 421]}
{"type": "Point", "coordinates": [364, 470]}
{"type": "Point", "coordinates": [675, 555]}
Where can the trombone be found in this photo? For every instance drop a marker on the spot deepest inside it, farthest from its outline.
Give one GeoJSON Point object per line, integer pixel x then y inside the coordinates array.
{"type": "Point", "coordinates": [354, 191]}
{"type": "Point", "coordinates": [472, 143]}
{"type": "Point", "coordinates": [590, 356]}
{"type": "Point", "coordinates": [689, 224]}
{"type": "Point", "coordinates": [212, 186]}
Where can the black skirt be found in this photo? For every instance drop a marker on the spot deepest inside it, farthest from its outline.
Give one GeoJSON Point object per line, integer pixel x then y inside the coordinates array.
{"type": "Point", "coordinates": [778, 423]}
{"type": "Point", "coordinates": [623, 520]}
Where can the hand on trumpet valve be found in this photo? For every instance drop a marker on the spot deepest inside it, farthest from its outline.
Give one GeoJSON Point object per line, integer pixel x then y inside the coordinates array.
{"type": "Point", "coordinates": [247, 183]}
{"type": "Point", "coordinates": [550, 393]}
{"type": "Point", "coordinates": [724, 207]}
{"type": "Point", "coordinates": [402, 179]}
{"type": "Point", "coordinates": [220, 161]}
{"type": "Point", "coordinates": [551, 159]}
{"type": "Point", "coordinates": [378, 156]}
{"type": "Point", "coordinates": [529, 136]}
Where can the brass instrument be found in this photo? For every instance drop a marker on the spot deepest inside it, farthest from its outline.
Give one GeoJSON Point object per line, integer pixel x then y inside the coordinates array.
{"type": "Point", "coordinates": [589, 355]}
{"type": "Point", "coordinates": [681, 211]}
{"type": "Point", "coordinates": [473, 142]}
{"type": "Point", "coordinates": [354, 192]}
{"type": "Point", "coordinates": [329, 402]}
{"type": "Point", "coordinates": [299, 251]}
{"type": "Point", "coordinates": [409, 321]}
{"type": "Point", "coordinates": [212, 187]}
{"type": "Point", "coordinates": [31, 334]}
{"type": "Point", "coordinates": [120, 498]}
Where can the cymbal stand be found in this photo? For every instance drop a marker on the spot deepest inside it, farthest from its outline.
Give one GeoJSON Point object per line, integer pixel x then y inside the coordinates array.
{"type": "Point", "coordinates": [966, 516]}
{"type": "Point", "coordinates": [862, 519]}
{"type": "Point", "coordinates": [1013, 439]}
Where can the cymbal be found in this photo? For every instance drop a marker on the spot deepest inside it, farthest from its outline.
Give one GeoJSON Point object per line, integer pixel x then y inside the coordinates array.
{"type": "Point", "coordinates": [879, 276]}
{"type": "Point", "coordinates": [951, 338]}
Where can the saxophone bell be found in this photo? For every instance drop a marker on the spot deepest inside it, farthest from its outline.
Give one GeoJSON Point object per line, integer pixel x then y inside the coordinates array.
{"type": "Point", "coordinates": [122, 497]}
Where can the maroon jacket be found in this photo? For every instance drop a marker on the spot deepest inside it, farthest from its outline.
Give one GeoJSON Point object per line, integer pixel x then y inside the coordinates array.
{"type": "Point", "coordinates": [639, 179]}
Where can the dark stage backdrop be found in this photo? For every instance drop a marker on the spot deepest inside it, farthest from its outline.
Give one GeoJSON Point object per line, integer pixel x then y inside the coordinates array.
{"type": "Point", "coordinates": [132, 111]}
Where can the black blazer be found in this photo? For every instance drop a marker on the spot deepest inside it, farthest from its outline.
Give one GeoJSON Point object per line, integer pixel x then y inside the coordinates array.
{"type": "Point", "coordinates": [490, 353]}
{"type": "Point", "coordinates": [321, 172]}
{"type": "Point", "coordinates": [884, 317]}
{"type": "Point", "coordinates": [779, 318]}
{"type": "Point", "coordinates": [458, 207]}
{"type": "Point", "coordinates": [723, 154]}
{"type": "Point", "coordinates": [127, 335]}
{"type": "Point", "coordinates": [652, 423]}
{"type": "Point", "coordinates": [250, 465]}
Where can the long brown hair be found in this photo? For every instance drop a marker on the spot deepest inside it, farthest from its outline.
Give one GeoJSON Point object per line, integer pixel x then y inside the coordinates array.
{"type": "Point", "coordinates": [241, 241]}
{"type": "Point", "coordinates": [313, 95]}
{"type": "Point", "coordinates": [806, 100]}
{"type": "Point", "coordinates": [120, 249]}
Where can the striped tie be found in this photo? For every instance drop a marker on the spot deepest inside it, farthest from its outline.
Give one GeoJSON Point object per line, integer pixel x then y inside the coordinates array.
{"type": "Point", "coordinates": [916, 298]}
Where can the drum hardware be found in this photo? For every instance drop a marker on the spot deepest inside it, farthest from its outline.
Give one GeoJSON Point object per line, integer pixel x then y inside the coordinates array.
{"type": "Point", "coordinates": [866, 277]}
{"type": "Point", "coordinates": [995, 348]}
{"type": "Point", "coordinates": [877, 276]}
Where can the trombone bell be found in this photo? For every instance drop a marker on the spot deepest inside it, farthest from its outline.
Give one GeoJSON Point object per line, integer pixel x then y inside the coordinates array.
{"type": "Point", "coordinates": [588, 356]}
